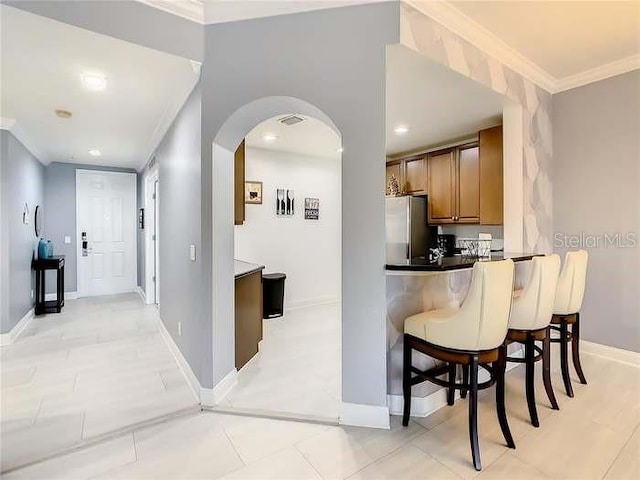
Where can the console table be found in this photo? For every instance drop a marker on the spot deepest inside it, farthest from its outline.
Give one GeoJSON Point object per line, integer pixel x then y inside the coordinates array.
{"type": "Point", "coordinates": [41, 265]}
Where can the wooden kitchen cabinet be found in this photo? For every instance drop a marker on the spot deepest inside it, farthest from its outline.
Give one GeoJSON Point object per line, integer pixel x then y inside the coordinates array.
{"type": "Point", "coordinates": [238, 186]}
{"type": "Point", "coordinates": [416, 176]}
{"type": "Point", "coordinates": [394, 168]}
{"type": "Point", "coordinates": [468, 185]}
{"type": "Point", "coordinates": [441, 167]}
{"type": "Point", "coordinates": [491, 176]}
{"type": "Point", "coordinates": [248, 316]}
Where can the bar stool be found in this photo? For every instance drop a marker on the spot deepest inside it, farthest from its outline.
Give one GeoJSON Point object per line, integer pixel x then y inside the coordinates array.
{"type": "Point", "coordinates": [472, 336]}
{"type": "Point", "coordinates": [566, 311]}
{"type": "Point", "coordinates": [529, 321]}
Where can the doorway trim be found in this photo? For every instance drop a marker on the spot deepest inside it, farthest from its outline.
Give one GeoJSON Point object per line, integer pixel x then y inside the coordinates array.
{"type": "Point", "coordinates": [151, 246]}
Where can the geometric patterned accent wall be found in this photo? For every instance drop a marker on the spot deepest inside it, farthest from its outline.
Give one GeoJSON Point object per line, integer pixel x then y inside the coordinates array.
{"type": "Point", "coordinates": [426, 36]}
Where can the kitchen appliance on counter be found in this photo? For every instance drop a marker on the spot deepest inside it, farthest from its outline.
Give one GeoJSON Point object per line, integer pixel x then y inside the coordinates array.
{"type": "Point", "coordinates": [447, 243]}
{"type": "Point", "coordinates": [408, 234]}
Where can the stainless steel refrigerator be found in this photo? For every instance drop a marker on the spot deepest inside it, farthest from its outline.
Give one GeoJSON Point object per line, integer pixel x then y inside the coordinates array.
{"type": "Point", "coordinates": [408, 235]}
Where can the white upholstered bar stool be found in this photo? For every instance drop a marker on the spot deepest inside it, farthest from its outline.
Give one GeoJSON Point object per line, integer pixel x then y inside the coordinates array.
{"type": "Point", "coordinates": [566, 311]}
{"type": "Point", "coordinates": [531, 312]}
{"type": "Point", "coordinates": [472, 336]}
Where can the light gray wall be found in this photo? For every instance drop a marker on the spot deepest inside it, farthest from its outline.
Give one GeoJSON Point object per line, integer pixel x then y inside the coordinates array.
{"type": "Point", "coordinates": [596, 139]}
{"type": "Point", "coordinates": [335, 60]}
{"type": "Point", "coordinates": [178, 158]}
{"type": "Point", "coordinates": [60, 216]}
{"type": "Point", "coordinates": [22, 182]}
{"type": "Point", "coordinates": [128, 20]}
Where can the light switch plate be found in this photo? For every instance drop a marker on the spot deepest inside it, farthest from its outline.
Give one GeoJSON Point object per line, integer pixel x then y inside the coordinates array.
{"type": "Point", "coordinates": [67, 239]}
{"type": "Point", "coordinates": [192, 253]}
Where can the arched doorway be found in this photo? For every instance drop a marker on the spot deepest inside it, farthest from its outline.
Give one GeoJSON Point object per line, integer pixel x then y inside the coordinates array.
{"type": "Point", "coordinates": [233, 132]}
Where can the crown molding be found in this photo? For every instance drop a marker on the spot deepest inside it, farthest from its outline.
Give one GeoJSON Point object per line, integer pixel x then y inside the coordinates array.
{"type": "Point", "coordinates": [190, 9]}
{"type": "Point", "coordinates": [598, 73]}
{"type": "Point", "coordinates": [474, 33]}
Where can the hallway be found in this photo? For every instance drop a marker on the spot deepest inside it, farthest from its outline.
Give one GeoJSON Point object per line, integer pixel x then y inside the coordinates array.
{"type": "Point", "coordinates": [98, 366]}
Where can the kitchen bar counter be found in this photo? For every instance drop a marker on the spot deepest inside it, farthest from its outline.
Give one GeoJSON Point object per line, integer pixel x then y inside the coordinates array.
{"type": "Point", "coordinates": [456, 262]}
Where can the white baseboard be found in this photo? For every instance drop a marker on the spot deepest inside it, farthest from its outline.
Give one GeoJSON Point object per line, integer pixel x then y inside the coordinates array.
{"type": "Point", "coordinates": [10, 337]}
{"type": "Point", "coordinates": [222, 388]}
{"type": "Point", "coordinates": [326, 300]}
{"type": "Point", "coordinates": [612, 353]}
{"type": "Point", "coordinates": [360, 415]}
{"type": "Point", "coordinates": [188, 374]}
{"type": "Point", "coordinates": [425, 406]}
{"type": "Point", "coordinates": [67, 296]}
{"type": "Point", "coordinates": [140, 292]}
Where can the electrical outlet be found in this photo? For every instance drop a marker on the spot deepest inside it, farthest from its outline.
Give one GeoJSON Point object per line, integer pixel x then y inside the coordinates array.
{"type": "Point", "coordinates": [32, 294]}
{"type": "Point", "coordinates": [179, 329]}
{"type": "Point", "coordinates": [192, 253]}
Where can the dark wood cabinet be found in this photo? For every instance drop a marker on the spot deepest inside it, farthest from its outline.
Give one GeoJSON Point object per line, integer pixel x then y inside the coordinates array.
{"type": "Point", "coordinates": [238, 187]}
{"type": "Point", "coordinates": [248, 316]}
{"type": "Point", "coordinates": [491, 177]}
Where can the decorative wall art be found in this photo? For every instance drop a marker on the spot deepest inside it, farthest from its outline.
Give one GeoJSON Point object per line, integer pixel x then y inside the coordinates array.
{"type": "Point", "coordinates": [311, 208]}
{"type": "Point", "coordinates": [285, 202]}
{"type": "Point", "coordinates": [253, 192]}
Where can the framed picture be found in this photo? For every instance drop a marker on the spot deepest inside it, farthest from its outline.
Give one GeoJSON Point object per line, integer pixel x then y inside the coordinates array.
{"type": "Point", "coordinates": [311, 208]}
{"type": "Point", "coordinates": [285, 202]}
{"type": "Point", "coordinates": [253, 192]}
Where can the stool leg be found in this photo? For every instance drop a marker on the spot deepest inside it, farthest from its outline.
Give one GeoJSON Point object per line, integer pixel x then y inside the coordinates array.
{"type": "Point", "coordinates": [452, 379]}
{"type": "Point", "coordinates": [575, 349]}
{"type": "Point", "coordinates": [546, 369]}
{"type": "Point", "coordinates": [564, 365]}
{"type": "Point", "coordinates": [473, 412]}
{"type": "Point", "coordinates": [406, 382]}
{"type": "Point", "coordinates": [500, 367]}
{"type": "Point", "coordinates": [465, 380]}
{"type": "Point", "coordinates": [530, 387]}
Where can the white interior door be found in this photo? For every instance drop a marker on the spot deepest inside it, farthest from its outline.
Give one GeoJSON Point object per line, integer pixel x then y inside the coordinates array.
{"type": "Point", "coordinates": [106, 223]}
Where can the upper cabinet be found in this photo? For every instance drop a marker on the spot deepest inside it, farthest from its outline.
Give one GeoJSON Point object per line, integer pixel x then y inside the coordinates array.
{"type": "Point", "coordinates": [491, 177]}
{"type": "Point", "coordinates": [454, 185]}
{"type": "Point", "coordinates": [238, 186]}
{"type": "Point", "coordinates": [415, 176]}
{"type": "Point", "coordinates": [464, 183]}
{"type": "Point", "coordinates": [442, 184]}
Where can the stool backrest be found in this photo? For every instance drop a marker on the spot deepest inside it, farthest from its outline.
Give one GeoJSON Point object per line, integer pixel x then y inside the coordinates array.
{"type": "Point", "coordinates": [532, 310]}
{"type": "Point", "coordinates": [571, 283]}
{"type": "Point", "coordinates": [487, 304]}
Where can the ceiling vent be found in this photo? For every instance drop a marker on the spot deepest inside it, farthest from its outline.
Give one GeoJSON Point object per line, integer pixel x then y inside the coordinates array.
{"type": "Point", "coordinates": [291, 120]}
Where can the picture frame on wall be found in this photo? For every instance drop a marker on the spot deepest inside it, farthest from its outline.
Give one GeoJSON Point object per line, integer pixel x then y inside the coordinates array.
{"type": "Point", "coordinates": [311, 208]}
{"type": "Point", "coordinates": [253, 193]}
{"type": "Point", "coordinates": [285, 202]}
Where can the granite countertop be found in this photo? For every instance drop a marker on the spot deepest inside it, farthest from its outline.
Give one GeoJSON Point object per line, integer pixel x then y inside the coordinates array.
{"type": "Point", "coordinates": [245, 268]}
{"type": "Point", "coordinates": [456, 262]}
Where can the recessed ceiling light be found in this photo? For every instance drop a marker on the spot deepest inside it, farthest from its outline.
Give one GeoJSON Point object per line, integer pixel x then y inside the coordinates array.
{"type": "Point", "coordinates": [94, 152]}
{"type": "Point", "coordinates": [269, 137]}
{"type": "Point", "coordinates": [63, 113]}
{"type": "Point", "coordinates": [93, 82]}
{"type": "Point", "coordinates": [401, 130]}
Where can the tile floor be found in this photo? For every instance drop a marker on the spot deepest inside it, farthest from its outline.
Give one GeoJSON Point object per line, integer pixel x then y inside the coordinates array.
{"type": "Point", "coordinates": [298, 368]}
{"type": "Point", "coordinates": [594, 435]}
{"type": "Point", "coordinates": [98, 366]}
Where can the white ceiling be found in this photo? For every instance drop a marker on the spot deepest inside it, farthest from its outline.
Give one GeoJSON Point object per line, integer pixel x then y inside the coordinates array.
{"type": "Point", "coordinates": [556, 44]}
{"type": "Point", "coordinates": [436, 104]}
{"type": "Point", "coordinates": [310, 137]}
{"type": "Point", "coordinates": [42, 63]}
{"type": "Point", "coordinates": [564, 38]}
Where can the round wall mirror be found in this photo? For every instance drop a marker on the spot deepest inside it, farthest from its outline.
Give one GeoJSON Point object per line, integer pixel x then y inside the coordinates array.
{"type": "Point", "coordinates": [38, 220]}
